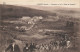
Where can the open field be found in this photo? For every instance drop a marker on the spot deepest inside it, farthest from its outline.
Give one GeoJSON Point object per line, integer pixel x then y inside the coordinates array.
{"type": "Point", "coordinates": [38, 30]}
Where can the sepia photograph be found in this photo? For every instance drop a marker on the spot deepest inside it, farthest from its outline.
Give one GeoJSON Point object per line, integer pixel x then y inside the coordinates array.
{"type": "Point", "coordinates": [39, 28]}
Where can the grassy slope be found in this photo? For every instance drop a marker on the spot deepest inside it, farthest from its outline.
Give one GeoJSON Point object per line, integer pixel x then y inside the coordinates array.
{"type": "Point", "coordinates": [8, 11]}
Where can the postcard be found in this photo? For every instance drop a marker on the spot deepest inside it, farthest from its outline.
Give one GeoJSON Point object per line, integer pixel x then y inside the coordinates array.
{"type": "Point", "coordinates": [39, 25]}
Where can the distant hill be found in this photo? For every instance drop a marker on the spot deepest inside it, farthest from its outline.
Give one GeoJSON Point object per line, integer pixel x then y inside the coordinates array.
{"type": "Point", "coordinates": [9, 11]}
{"type": "Point", "coordinates": [62, 11]}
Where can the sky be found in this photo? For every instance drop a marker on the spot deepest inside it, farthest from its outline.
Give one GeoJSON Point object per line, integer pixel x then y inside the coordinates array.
{"type": "Point", "coordinates": [62, 3]}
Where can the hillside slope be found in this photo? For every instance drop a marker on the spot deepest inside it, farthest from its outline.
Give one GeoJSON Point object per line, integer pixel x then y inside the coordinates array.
{"type": "Point", "coordinates": [8, 11]}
